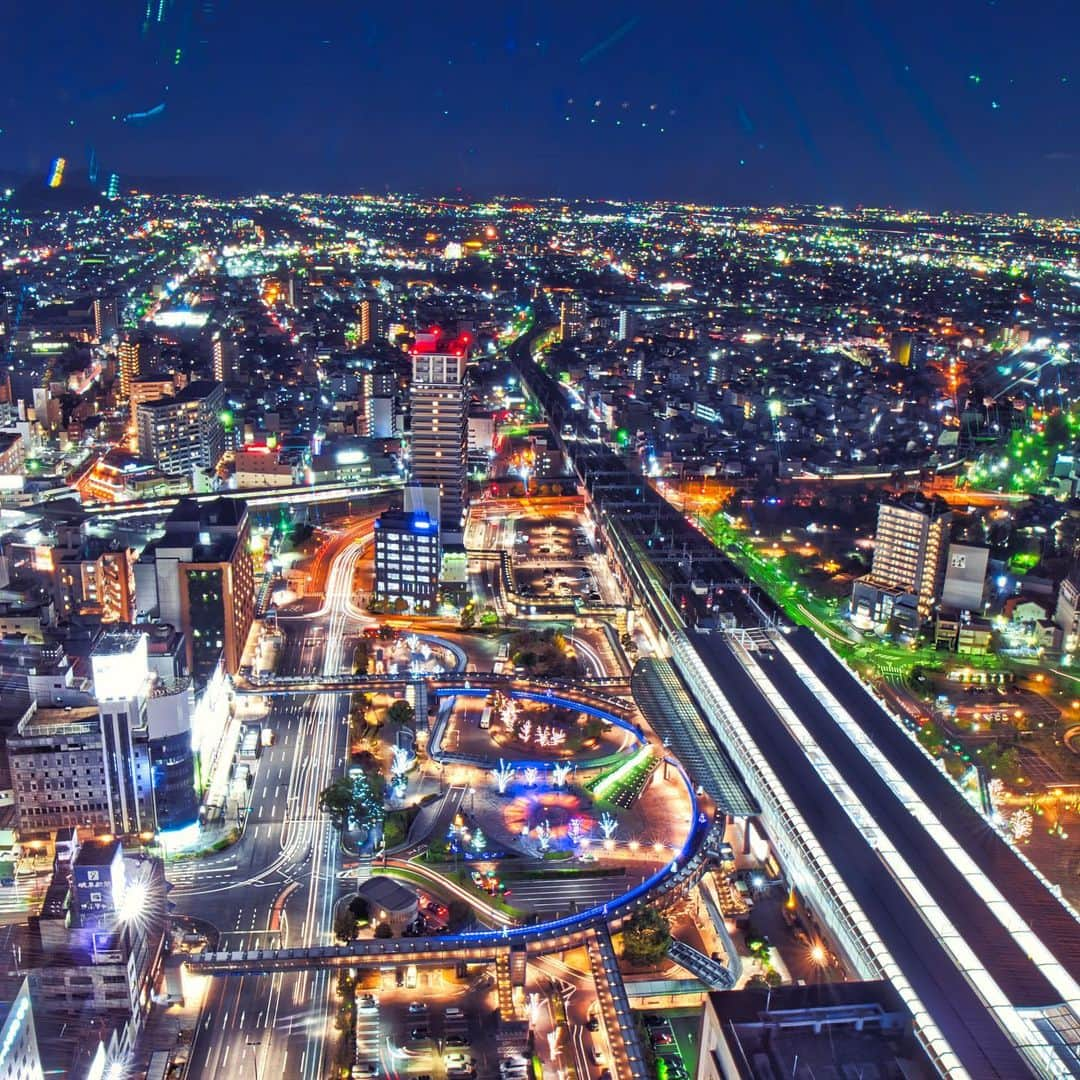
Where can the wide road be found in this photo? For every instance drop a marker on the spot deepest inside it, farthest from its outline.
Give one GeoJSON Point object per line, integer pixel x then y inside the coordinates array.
{"type": "Point", "coordinates": [280, 881]}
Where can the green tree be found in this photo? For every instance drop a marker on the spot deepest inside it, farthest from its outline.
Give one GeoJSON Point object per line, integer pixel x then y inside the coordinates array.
{"type": "Point", "coordinates": [344, 924]}
{"type": "Point", "coordinates": [931, 736]}
{"type": "Point", "coordinates": [437, 851]}
{"type": "Point", "coordinates": [468, 617]}
{"type": "Point", "coordinates": [355, 800]}
{"type": "Point", "coordinates": [646, 937]}
{"type": "Point", "coordinates": [401, 713]}
{"type": "Point", "coordinates": [383, 930]}
{"type": "Point", "coordinates": [360, 908]}
{"type": "Point", "coordinates": [337, 801]}
{"type": "Point", "coordinates": [1056, 429]}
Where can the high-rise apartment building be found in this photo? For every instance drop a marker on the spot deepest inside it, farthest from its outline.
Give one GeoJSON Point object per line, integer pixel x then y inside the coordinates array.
{"type": "Point", "coordinates": [129, 360]}
{"type": "Point", "coordinates": [573, 317]}
{"type": "Point", "coordinates": [372, 324]}
{"type": "Point", "coordinates": [200, 577]}
{"type": "Point", "coordinates": [907, 348]}
{"type": "Point", "coordinates": [910, 547]}
{"type": "Point", "coordinates": [224, 357]}
{"type": "Point", "coordinates": [377, 400]}
{"type": "Point", "coordinates": [106, 318]}
{"type": "Point", "coordinates": [152, 386]}
{"type": "Point", "coordinates": [439, 399]}
{"type": "Point", "coordinates": [184, 432]}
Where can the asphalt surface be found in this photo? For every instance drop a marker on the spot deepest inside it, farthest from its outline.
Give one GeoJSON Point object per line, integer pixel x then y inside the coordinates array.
{"type": "Point", "coordinates": [278, 883]}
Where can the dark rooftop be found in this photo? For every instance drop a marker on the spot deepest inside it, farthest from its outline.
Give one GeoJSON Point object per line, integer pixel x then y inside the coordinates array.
{"type": "Point", "coordinates": [97, 853]}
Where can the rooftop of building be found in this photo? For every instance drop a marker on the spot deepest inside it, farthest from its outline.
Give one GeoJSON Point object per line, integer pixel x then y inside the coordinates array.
{"type": "Point", "coordinates": [120, 460]}
{"type": "Point", "coordinates": [823, 1030]}
{"type": "Point", "coordinates": [113, 641]}
{"type": "Point", "coordinates": [163, 639]}
{"type": "Point", "coordinates": [916, 501]}
{"type": "Point", "coordinates": [194, 391]}
{"type": "Point", "coordinates": [43, 720]}
{"type": "Point", "coordinates": [100, 851]}
{"type": "Point", "coordinates": [218, 513]}
{"type": "Point", "coordinates": [437, 343]}
{"type": "Point", "coordinates": [410, 521]}
{"type": "Point", "coordinates": [30, 656]}
{"type": "Point", "coordinates": [387, 894]}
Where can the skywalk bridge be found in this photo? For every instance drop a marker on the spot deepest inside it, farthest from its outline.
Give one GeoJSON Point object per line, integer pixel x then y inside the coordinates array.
{"type": "Point", "coordinates": [668, 883]}
{"type": "Point", "coordinates": [602, 691]}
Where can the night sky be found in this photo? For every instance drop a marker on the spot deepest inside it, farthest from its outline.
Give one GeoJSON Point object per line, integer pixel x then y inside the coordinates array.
{"type": "Point", "coordinates": [952, 104]}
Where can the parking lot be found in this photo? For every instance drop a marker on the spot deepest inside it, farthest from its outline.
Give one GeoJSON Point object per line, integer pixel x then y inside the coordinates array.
{"type": "Point", "coordinates": [433, 1024]}
{"type": "Point", "coordinates": [551, 560]}
{"type": "Point", "coordinates": [673, 1036]}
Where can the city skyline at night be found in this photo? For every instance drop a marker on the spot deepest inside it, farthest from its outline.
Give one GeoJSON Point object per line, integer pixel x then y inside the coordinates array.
{"type": "Point", "coordinates": [973, 109]}
{"type": "Point", "coordinates": [540, 543]}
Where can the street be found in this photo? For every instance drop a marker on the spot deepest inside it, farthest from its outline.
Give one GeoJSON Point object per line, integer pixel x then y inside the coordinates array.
{"type": "Point", "coordinates": [278, 883]}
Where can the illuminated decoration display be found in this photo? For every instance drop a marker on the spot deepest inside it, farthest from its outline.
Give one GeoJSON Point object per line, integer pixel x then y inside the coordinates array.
{"type": "Point", "coordinates": [532, 774]}
{"type": "Point", "coordinates": [608, 825]}
{"type": "Point", "coordinates": [550, 736]}
{"type": "Point", "coordinates": [1020, 824]}
{"type": "Point", "coordinates": [503, 775]}
{"type": "Point", "coordinates": [401, 762]}
{"type": "Point", "coordinates": [559, 774]}
{"type": "Point", "coordinates": [543, 834]}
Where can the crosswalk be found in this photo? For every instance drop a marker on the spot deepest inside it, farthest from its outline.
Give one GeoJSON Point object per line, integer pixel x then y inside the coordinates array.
{"type": "Point", "coordinates": [22, 897]}
{"type": "Point", "coordinates": [547, 896]}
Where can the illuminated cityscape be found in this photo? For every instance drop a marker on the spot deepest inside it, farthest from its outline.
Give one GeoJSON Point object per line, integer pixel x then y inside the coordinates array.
{"type": "Point", "coordinates": [454, 635]}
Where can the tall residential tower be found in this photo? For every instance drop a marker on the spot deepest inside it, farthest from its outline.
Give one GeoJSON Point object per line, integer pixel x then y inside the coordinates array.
{"type": "Point", "coordinates": [439, 401]}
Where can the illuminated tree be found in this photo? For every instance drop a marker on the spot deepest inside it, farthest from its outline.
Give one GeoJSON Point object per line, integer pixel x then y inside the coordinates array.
{"type": "Point", "coordinates": [1020, 825]}
{"type": "Point", "coordinates": [503, 775]}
